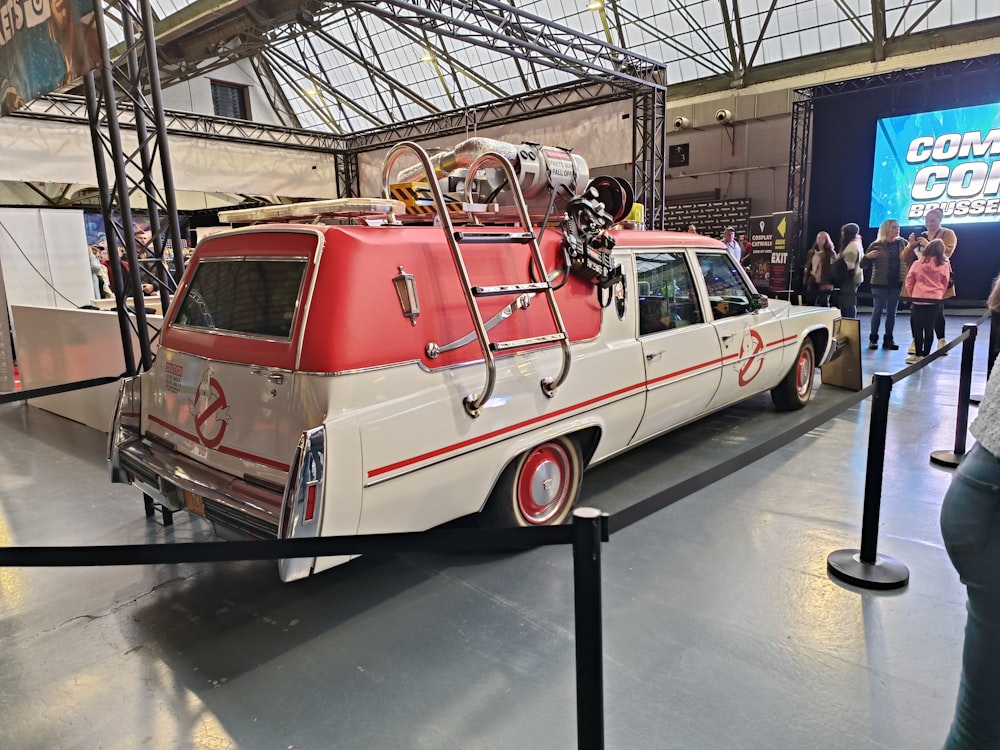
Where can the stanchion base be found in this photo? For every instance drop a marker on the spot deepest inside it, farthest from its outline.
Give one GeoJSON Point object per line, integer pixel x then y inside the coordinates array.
{"type": "Point", "coordinates": [947, 458]}
{"type": "Point", "coordinates": [976, 398]}
{"type": "Point", "coordinates": [884, 573]}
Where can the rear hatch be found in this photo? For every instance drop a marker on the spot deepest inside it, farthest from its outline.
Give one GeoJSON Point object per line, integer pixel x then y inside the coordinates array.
{"type": "Point", "coordinates": [224, 390]}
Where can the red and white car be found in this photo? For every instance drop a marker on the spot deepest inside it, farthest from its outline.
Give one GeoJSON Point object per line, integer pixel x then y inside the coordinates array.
{"type": "Point", "coordinates": [297, 390]}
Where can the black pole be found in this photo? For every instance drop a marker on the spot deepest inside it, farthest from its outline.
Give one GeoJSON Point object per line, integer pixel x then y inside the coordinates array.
{"type": "Point", "coordinates": [994, 349]}
{"type": "Point", "coordinates": [952, 459]}
{"type": "Point", "coordinates": [155, 246]}
{"type": "Point", "coordinates": [104, 188]}
{"type": "Point", "coordinates": [121, 185]}
{"type": "Point", "coordinates": [160, 122]}
{"type": "Point", "coordinates": [877, 433]}
{"type": "Point", "coordinates": [865, 567]}
{"type": "Point", "coordinates": [589, 527]}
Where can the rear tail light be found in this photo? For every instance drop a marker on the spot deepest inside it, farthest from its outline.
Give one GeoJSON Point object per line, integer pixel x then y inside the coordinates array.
{"type": "Point", "coordinates": [302, 504]}
{"type": "Point", "coordinates": [125, 423]}
{"type": "Point", "coordinates": [310, 510]}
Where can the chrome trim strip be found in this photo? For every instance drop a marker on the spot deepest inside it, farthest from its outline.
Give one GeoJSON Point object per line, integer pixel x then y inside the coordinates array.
{"type": "Point", "coordinates": [230, 334]}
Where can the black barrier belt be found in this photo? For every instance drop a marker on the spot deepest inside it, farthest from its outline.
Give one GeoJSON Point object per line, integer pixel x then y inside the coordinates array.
{"type": "Point", "coordinates": [679, 491]}
{"type": "Point", "coordinates": [907, 371]}
{"type": "Point", "coordinates": [435, 540]}
{"type": "Point", "coordinates": [949, 302]}
{"type": "Point", "coordinates": [8, 398]}
{"type": "Point", "coordinates": [682, 489]}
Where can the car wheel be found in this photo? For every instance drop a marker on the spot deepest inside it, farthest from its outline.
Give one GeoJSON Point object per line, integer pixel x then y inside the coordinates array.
{"type": "Point", "coordinates": [794, 391]}
{"type": "Point", "coordinates": [539, 487]}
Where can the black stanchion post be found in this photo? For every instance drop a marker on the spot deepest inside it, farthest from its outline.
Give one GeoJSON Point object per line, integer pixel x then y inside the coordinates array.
{"type": "Point", "coordinates": [865, 567]}
{"type": "Point", "coordinates": [589, 528]}
{"type": "Point", "coordinates": [994, 349]}
{"type": "Point", "coordinates": [951, 459]}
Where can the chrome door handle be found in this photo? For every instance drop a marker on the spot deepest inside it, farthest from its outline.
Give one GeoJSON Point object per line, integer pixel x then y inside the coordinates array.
{"type": "Point", "coordinates": [654, 355]}
{"type": "Point", "coordinates": [276, 377]}
{"type": "Point", "coordinates": [729, 336]}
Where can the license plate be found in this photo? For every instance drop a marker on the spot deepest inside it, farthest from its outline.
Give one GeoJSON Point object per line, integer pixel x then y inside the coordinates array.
{"type": "Point", "coordinates": [194, 503]}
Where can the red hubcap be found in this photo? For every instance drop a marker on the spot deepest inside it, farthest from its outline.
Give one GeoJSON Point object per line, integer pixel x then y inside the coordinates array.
{"type": "Point", "coordinates": [805, 372]}
{"type": "Point", "coordinates": [543, 484]}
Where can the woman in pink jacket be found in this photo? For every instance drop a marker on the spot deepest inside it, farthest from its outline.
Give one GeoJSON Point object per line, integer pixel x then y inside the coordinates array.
{"type": "Point", "coordinates": [926, 281]}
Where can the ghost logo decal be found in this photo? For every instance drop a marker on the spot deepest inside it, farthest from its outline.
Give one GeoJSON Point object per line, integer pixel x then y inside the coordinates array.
{"type": "Point", "coordinates": [210, 411]}
{"type": "Point", "coordinates": [750, 368]}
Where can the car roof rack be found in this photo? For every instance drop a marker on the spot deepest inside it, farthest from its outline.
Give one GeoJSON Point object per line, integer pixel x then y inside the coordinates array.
{"type": "Point", "coordinates": [344, 209]}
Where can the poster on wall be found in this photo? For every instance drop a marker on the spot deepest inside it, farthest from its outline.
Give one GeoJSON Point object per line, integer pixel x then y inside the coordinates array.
{"type": "Point", "coordinates": [44, 45]}
{"type": "Point", "coordinates": [760, 232]}
{"type": "Point", "coordinates": [783, 223]}
{"type": "Point", "coordinates": [947, 159]}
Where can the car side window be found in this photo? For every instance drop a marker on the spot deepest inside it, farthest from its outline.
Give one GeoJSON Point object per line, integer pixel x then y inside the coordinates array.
{"type": "Point", "coordinates": [667, 295]}
{"type": "Point", "coordinates": [728, 293]}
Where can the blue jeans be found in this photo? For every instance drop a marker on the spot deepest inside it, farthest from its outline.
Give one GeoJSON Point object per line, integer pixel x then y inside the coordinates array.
{"type": "Point", "coordinates": [970, 525]}
{"type": "Point", "coordinates": [884, 298]}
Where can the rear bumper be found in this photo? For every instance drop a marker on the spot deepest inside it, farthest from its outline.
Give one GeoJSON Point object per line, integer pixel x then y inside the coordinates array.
{"type": "Point", "coordinates": [230, 503]}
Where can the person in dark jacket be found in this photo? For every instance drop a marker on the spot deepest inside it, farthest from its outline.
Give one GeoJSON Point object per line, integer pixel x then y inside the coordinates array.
{"type": "Point", "coordinates": [888, 273]}
{"type": "Point", "coordinates": [819, 271]}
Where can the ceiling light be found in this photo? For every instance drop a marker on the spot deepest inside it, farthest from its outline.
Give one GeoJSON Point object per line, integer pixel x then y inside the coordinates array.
{"type": "Point", "coordinates": [596, 5]}
{"type": "Point", "coordinates": [427, 58]}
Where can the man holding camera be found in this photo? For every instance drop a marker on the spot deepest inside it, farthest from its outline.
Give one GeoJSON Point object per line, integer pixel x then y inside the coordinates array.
{"type": "Point", "coordinates": [917, 243]}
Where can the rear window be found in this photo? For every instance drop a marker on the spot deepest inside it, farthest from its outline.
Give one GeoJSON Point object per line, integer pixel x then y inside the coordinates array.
{"type": "Point", "coordinates": [248, 296]}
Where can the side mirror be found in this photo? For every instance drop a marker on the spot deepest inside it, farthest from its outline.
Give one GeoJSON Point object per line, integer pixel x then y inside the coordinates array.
{"type": "Point", "coordinates": [758, 302]}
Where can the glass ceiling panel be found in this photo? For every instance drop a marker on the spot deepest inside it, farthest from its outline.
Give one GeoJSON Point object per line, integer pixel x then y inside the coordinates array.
{"type": "Point", "coordinates": [413, 72]}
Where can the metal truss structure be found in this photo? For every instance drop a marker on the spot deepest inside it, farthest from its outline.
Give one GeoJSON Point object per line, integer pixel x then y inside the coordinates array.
{"type": "Point", "coordinates": [127, 80]}
{"type": "Point", "coordinates": [649, 148]}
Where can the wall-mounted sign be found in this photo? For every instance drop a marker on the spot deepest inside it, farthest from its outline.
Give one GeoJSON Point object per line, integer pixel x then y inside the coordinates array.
{"type": "Point", "coordinates": [679, 155]}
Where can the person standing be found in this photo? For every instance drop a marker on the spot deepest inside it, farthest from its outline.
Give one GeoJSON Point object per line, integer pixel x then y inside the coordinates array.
{"type": "Point", "coordinates": [934, 231]}
{"type": "Point", "coordinates": [732, 244]}
{"type": "Point", "coordinates": [926, 280]}
{"type": "Point", "coordinates": [820, 268]}
{"type": "Point", "coordinates": [888, 272]}
{"type": "Point", "coordinates": [970, 527]}
{"type": "Point", "coordinates": [819, 263]}
{"type": "Point", "coordinates": [851, 252]}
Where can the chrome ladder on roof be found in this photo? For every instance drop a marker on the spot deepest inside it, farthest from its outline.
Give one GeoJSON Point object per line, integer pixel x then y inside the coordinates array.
{"type": "Point", "coordinates": [474, 402]}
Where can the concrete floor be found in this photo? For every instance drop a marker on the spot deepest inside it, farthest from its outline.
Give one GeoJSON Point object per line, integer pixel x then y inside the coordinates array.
{"type": "Point", "coordinates": [722, 628]}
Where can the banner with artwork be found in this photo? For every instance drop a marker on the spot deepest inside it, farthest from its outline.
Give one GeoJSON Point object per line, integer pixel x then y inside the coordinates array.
{"type": "Point", "coordinates": [45, 45]}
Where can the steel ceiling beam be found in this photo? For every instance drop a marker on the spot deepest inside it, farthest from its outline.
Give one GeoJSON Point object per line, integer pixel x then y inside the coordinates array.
{"type": "Point", "coordinates": [878, 30]}
{"type": "Point", "coordinates": [73, 109]}
{"type": "Point", "coordinates": [648, 28]}
{"type": "Point", "coordinates": [375, 73]}
{"type": "Point", "coordinates": [500, 27]}
{"type": "Point", "coordinates": [518, 108]}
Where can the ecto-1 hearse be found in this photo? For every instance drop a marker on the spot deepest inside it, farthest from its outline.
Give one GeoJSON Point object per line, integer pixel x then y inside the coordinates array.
{"type": "Point", "coordinates": [363, 366]}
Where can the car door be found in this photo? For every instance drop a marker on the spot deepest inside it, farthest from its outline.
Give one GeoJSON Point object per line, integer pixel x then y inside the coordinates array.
{"type": "Point", "coordinates": [750, 337]}
{"type": "Point", "coordinates": [680, 346]}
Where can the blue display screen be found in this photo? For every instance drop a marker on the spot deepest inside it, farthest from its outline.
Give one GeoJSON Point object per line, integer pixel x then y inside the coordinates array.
{"type": "Point", "coordinates": [949, 159]}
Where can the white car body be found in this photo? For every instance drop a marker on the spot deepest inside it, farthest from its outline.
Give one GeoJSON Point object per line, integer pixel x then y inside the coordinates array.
{"type": "Point", "coordinates": [345, 424]}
